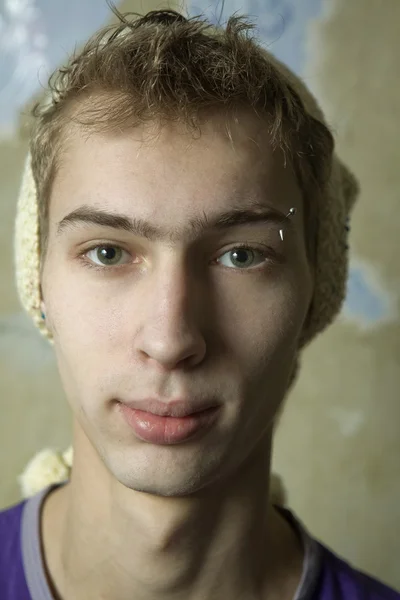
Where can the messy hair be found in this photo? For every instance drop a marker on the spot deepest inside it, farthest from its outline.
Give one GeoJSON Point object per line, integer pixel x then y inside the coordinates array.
{"type": "Point", "coordinates": [165, 67]}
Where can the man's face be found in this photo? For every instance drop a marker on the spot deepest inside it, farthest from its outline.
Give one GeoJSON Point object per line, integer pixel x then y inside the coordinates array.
{"type": "Point", "coordinates": [176, 310]}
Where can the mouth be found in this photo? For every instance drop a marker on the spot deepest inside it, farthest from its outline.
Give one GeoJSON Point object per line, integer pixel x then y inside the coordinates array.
{"type": "Point", "coordinates": [169, 423]}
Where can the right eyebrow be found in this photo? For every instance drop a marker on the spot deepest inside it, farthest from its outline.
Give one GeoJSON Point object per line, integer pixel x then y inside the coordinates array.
{"type": "Point", "coordinates": [94, 216]}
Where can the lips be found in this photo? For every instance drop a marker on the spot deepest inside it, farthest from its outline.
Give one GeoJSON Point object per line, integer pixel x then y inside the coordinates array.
{"type": "Point", "coordinates": [169, 423]}
{"type": "Point", "coordinates": [174, 408]}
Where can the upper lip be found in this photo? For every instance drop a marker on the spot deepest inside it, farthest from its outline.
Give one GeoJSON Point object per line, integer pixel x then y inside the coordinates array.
{"type": "Point", "coordinates": [170, 408]}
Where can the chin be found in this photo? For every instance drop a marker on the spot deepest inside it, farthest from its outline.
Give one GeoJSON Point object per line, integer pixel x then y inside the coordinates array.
{"type": "Point", "coordinates": [177, 488]}
{"type": "Point", "coordinates": [164, 476]}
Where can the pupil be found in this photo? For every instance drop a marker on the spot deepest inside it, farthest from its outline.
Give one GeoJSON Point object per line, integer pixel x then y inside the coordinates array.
{"type": "Point", "coordinates": [108, 253]}
{"type": "Point", "coordinates": [241, 256]}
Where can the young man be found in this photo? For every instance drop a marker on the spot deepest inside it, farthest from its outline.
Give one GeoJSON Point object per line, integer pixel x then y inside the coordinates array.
{"type": "Point", "coordinates": [181, 235]}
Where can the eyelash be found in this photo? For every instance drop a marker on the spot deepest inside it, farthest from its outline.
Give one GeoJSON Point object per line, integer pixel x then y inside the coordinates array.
{"type": "Point", "coordinates": [268, 255]}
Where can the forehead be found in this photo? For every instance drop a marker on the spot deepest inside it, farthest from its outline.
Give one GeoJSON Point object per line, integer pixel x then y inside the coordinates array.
{"type": "Point", "coordinates": [168, 173]}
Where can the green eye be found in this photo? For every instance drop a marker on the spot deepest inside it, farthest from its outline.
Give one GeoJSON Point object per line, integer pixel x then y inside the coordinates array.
{"type": "Point", "coordinates": [106, 256]}
{"type": "Point", "coordinates": [242, 257]}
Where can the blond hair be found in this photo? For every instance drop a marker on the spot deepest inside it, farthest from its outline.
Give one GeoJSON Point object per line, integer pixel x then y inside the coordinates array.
{"type": "Point", "coordinates": [162, 67]}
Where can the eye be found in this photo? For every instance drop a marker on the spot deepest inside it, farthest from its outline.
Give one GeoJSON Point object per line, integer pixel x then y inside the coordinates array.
{"type": "Point", "coordinates": [107, 256]}
{"type": "Point", "coordinates": [242, 257]}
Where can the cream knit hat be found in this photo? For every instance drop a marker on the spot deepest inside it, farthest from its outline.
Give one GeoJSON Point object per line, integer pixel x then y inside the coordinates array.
{"type": "Point", "coordinates": [331, 262]}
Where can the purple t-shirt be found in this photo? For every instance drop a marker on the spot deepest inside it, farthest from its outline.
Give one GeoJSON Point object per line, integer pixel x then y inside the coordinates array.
{"type": "Point", "coordinates": [22, 573]}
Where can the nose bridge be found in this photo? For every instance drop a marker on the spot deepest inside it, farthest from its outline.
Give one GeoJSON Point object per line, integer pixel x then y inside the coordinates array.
{"type": "Point", "coordinates": [174, 299]}
{"type": "Point", "coordinates": [172, 328]}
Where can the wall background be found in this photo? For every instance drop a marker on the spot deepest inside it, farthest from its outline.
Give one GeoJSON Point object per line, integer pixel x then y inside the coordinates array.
{"type": "Point", "coordinates": [338, 444]}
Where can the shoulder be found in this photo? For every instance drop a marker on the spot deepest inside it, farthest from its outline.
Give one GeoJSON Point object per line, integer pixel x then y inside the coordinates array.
{"type": "Point", "coordinates": [340, 581]}
{"type": "Point", "coordinates": [327, 576]}
{"type": "Point", "coordinates": [12, 577]}
{"type": "Point", "coordinates": [10, 527]}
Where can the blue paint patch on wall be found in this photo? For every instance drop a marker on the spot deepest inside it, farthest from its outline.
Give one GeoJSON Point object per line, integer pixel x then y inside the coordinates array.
{"type": "Point", "coordinates": [281, 24]}
{"type": "Point", "coordinates": [35, 37]}
{"type": "Point", "coordinates": [366, 301]}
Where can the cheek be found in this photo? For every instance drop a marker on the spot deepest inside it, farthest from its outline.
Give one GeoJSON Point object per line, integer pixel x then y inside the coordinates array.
{"type": "Point", "coordinates": [262, 330]}
{"type": "Point", "coordinates": [80, 314]}
{"type": "Point", "coordinates": [265, 314]}
{"type": "Point", "coordinates": [81, 321]}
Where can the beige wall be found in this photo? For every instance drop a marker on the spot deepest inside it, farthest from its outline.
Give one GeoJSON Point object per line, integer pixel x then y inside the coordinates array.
{"type": "Point", "coordinates": [338, 445]}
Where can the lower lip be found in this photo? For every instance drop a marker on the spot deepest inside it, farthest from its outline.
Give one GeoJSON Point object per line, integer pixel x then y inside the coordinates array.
{"type": "Point", "coordinates": [168, 430]}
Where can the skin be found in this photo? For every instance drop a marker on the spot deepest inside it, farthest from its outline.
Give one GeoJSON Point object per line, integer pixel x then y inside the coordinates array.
{"type": "Point", "coordinates": [177, 317]}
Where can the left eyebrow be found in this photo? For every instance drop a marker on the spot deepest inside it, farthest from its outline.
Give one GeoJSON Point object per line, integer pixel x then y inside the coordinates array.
{"type": "Point", "coordinates": [198, 225]}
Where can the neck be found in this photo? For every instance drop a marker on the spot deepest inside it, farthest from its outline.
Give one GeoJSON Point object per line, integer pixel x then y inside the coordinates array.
{"type": "Point", "coordinates": [113, 542]}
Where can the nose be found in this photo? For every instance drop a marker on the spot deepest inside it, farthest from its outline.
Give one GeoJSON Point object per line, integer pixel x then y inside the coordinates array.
{"type": "Point", "coordinates": [171, 331]}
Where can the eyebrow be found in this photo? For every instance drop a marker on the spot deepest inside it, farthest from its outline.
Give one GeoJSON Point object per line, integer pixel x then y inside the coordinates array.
{"type": "Point", "coordinates": [256, 213]}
